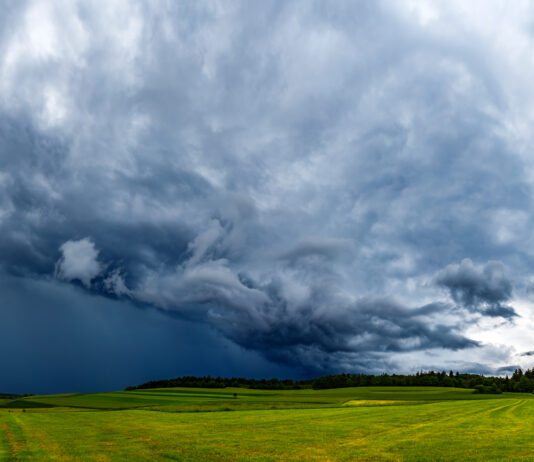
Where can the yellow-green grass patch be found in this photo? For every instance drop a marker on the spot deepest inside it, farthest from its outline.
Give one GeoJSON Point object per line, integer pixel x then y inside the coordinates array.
{"type": "Point", "coordinates": [314, 425]}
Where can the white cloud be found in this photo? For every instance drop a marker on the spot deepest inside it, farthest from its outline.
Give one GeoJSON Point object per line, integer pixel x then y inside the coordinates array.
{"type": "Point", "coordinates": [79, 261]}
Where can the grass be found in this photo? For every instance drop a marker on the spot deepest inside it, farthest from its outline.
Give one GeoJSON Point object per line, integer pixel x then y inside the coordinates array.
{"type": "Point", "coordinates": [378, 423]}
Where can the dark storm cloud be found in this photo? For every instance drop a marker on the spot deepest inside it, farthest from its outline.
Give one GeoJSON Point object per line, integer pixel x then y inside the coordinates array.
{"type": "Point", "coordinates": [481, 288]}
{"type": "Point", "coordinates": [58, 338]}
{"type": "Point", "coordinates": [305, 325]}
{"type": "Point", "coordinates": [265, 168]}
{"type": "Point", "coordinates": [352, 332]}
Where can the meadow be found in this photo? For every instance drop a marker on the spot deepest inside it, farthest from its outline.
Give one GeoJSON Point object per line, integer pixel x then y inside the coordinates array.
{"type": "Point", "coordinates": [347, 424]}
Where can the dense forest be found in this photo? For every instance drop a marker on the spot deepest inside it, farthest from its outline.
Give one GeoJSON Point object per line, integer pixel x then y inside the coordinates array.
{"type": "Point", "coordinates": [223, 382]}
{"type": "Point", "coordinates": [521, 382]}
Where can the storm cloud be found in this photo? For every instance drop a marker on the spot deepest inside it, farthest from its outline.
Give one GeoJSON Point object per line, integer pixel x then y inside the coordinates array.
{"type": "Point", "coordinates": [335, 185]}
{"type": "Point", "coordinates": [483, 288]}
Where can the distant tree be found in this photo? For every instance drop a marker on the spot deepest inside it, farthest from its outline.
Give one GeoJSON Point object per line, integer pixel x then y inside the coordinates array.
{"type": "Point", "coordinates": [478, 389]}
{"type": "Point", "coordinates": [495, 389]}
{"type": "Point", "coordinates": [525, 385]}
{"type": "Point", "coordinates": [516, 376]}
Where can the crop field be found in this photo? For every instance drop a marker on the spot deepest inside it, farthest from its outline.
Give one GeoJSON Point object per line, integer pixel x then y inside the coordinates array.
{"type": "Point", "coordinates": [378, 423]}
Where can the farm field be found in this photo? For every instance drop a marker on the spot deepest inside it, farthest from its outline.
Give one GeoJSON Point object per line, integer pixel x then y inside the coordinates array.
{"type": "Point", "coordinates": [377, 423]}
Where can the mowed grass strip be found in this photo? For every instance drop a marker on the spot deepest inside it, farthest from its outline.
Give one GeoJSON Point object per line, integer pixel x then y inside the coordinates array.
{"type": "Point", "coordinates": [399, 424]}
{"type": "Point", "coordinates": [478, 430]}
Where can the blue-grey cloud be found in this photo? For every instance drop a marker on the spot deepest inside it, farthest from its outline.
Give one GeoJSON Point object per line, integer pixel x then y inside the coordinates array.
{"type": "Point", "coordinates": [482, 288]}
{"type": "Point", "coordinates": [291, 174]}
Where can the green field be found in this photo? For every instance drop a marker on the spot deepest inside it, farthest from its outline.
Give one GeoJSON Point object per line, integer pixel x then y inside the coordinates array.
{"type": "Point", "coordinates": [395, 424]}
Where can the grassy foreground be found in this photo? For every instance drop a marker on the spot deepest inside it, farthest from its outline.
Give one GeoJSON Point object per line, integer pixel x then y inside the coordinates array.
{"type": "Point", "coordinates": [394, 424]}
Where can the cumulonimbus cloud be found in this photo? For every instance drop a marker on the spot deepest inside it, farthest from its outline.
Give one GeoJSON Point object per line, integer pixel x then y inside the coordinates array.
{"type": "Point", "coordinates": [268, 169]}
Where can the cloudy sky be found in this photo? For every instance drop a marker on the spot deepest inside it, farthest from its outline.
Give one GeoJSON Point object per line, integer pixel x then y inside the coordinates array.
{"type": "Point", "coordinates": [264, 188]}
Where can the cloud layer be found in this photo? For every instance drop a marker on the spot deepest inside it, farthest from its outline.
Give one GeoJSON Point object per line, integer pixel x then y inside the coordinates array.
{"type": "Point", "coordinates": [483, 288]}
{"type": "Point", "coordinates": [334, 186]}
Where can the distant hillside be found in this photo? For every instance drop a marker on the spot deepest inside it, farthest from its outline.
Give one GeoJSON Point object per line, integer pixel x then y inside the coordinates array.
{"type": "Point", "coordinates": [522, 382]}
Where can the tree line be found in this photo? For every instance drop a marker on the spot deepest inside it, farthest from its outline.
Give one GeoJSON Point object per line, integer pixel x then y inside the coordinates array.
{"type": "Point", "coordinates": [223, 382]}
{"type": "Point", "coordinates": [520, 382]}
{"type": "Point", "coordinates": [13, 396]}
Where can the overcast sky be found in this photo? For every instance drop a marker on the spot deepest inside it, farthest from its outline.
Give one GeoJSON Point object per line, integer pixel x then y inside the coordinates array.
{"type": "Point", "coordinates": [264, 188]}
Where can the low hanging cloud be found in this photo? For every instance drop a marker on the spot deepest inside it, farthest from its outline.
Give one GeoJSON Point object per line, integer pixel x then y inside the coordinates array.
{"type": "Point", "coordinates": [298, 317]}
{"type": "Point", "coordinates": [480, 288]}
{"type": "Point", "coordinates": [79, 261]}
